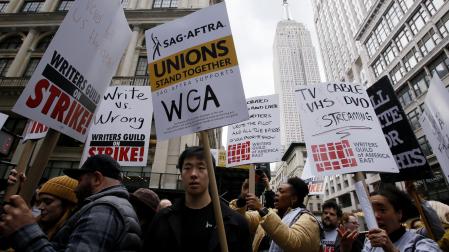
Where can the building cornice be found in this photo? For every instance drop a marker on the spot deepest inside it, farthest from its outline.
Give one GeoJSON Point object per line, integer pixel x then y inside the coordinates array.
{"type": "Point", "coordinates": [290, 149]}
{"type": "Point", "coordinates": [52, 20]}
{"type": "Point", "coordinates": [372, 15]}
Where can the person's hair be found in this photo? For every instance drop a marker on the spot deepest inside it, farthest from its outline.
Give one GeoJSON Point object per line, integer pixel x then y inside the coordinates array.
{"type": "Point", "coordinates": [398, 199]}
{"type": "Point", "coordinates": [333, 205]}
{"type": "Point", "coordinates": [345, 218]}
{"type": "Point", "coordinates": [194, 151]}
{"type": "Point", "coordinates": [300, 189]}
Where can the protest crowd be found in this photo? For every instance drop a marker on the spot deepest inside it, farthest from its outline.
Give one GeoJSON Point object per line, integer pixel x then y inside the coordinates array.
{"type": "Point", "coordinates": [196, 86]}
{"type": "Point", "coordinates": [89, 209]}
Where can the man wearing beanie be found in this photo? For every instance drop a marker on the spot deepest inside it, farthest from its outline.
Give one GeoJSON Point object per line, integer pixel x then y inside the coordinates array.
{"type": "Point", "coordinates": [104, 221]}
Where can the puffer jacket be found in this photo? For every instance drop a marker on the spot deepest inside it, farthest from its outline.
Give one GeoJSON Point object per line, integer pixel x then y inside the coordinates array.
{"type": "Point", "coordinates": [303, 235]}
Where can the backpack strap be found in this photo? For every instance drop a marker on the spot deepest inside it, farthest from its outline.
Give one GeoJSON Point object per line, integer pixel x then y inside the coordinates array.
{"type": "Point", "coordinates": [305, 211]}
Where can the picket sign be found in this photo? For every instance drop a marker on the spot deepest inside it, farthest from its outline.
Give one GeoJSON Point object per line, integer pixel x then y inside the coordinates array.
{"type": "Point", "coordinates": [3, 118]}
{"type": "Point", "coordinates": [122, 126]}
{"type": "Point", "coordinates": [258, 139]}
{"type": "Point", "coordinates": [312, 181]}
{"type": "Point", "coordinates": [343, 135]}
{"type": "Point", "coordinates": [65, 89]}
{"type": "Point", "coordinates": [193, 66]}
{"type": "Point", "coordinates": [435, 122]}
{"type": "Point", "coordinates": [409, 157]}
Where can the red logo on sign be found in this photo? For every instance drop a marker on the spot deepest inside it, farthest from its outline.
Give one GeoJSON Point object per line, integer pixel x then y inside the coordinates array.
{"type": "Point", "coordinates": [239, 152]}
{"type": "Point", "coordinates": [333, 156]}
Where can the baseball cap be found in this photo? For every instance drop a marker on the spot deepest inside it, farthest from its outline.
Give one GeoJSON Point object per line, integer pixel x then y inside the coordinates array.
{"type": "Point", "coordinates": [102, 163]}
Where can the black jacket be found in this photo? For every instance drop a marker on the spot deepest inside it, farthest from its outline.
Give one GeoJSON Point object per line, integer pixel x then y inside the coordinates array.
{"type": "Point", "coordinates": [164, 233]}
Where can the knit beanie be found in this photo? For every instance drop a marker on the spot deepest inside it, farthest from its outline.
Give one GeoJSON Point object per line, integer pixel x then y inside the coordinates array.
{"type": "Point", "coordinates": [62, 187]}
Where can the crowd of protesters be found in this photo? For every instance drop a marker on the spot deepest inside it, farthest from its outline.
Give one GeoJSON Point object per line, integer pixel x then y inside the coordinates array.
{"type": "Point", "coordinates": [89, 209]}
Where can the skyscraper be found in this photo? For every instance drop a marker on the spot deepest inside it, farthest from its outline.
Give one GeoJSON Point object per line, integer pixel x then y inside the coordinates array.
{"type": "Point", "coordinates": [408, 41]}
{"type": "Point", "coordinates": [295, 64]}
{"type": "Point", "coordinates": [336, 23]}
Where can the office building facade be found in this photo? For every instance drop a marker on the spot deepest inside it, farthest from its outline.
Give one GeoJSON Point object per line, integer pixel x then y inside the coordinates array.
{"type": "Point", "coordinates": [26, 29]}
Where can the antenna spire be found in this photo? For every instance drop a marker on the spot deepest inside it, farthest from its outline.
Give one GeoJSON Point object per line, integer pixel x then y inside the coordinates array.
{"type": "Point", "coordinates": [286, 10]}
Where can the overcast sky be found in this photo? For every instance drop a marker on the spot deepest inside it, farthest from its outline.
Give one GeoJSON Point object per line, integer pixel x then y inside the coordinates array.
{"type": "Point", "coordinates": [253, 24]}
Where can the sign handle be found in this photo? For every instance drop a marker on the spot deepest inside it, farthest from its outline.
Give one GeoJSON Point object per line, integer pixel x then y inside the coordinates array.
{"type": "Point", "coordinates": [251, 180]}
{"type": "Point", "coordinates": [362, 194]}
{"type": "Point", "coordinates": [21, 167]}
{"type": "Point", "coordinates": [40, 161]}
{"type": "Point", "coordinates": [411, 189]}
{"type": "Point", "coordinates": [214, 192]}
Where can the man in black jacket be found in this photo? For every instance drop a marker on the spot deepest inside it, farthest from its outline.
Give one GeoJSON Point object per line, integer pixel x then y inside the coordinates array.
{"type": "Point", "coordinates": [189, 224]}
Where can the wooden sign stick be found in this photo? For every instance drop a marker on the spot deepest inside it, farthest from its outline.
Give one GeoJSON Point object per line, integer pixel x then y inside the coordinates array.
{"type": "Point", "coordinates": [411, 189]}
{"type": "Point", "coordinates": [252, 180]}
{"type": "Point", "coordinates": [214, 192]}
{"type": "Point", "coordinates": [37, 168]}
{"type": "Point", "coordinates": [21, 167]}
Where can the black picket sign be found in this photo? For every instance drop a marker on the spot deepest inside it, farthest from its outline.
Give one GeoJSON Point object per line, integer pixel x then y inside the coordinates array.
{"type": "Point", "coordinates": [411, 161]}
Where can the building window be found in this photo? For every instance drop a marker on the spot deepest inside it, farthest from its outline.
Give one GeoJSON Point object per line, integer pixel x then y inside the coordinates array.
{"type": "Point", "coordinates": [425, 146]}
{"type": "Point", "coordinates": [393, 15]}
{"type": "Point", "coordinates": [65, 5]}
{"type": "Point", "coordinates": [411, 59]}
{"type": "Point", "coordinates": [403, 38]}
{"type": "Point", "coordinates": [382, 31]}
{"type": "Point", "coordinates": [422, 107]}
{"type": "Point", "coordinates": [397, 73]}
{"type": "Point", "coordinates": [32, 6]}
{"type": "Point", "coordinates": [56, 168]}
{"type": "Point", "coordinates": [413, 117]}
{"type": "Point", "coordinates": [345, 200]}
{"type": "Point", "coordinates": [3, 5]}
{"type": "Point", "coordinates": [405, 4]}
{"type": "Point", "coordinates": [371, 45]}
{"type": "Point", "coordinates": [439, 65]}
{"type": "Point", "coordinates": [443, 25]}
{"type": "Point", "coordinates": [4, 66]}
{"type": "Point", "coordinates": [420, 83]}
{"type": "Point", "coordinates": [418, 20]}
{"type": "Point", "coordinates": [165, 4]}
{"type": "Point", "coordinates": [142, 67]}
{"type": "Point", "coordinates": [12, 42]}
{"type": "Point", "coordinates": [433, 5]}
{"type": "Point", "coordinates": [31, 67]}
{"type": "Point", "coordinates": [405, 96]}
{"type": "Point", "coordinates": [44, 42]}
{"type": "Point", "coordinates": [390, 53]}
{"type": "Point", "coordinates": [378, 67]}
{"type": "Point", "coordinates": [428, 42]}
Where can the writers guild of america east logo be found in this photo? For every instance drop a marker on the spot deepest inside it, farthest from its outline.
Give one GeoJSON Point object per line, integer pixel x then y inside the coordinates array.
{"type": "Point", "coordinates": [156, 46]}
